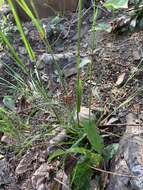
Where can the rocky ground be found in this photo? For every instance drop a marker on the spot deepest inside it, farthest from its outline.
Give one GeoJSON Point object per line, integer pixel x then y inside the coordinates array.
{"type": "Point", "coordinates": [116, 83]}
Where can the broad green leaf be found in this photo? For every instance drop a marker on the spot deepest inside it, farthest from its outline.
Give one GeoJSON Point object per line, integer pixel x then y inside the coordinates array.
{"type": "Point", "coordinates": [57, 153]}
{"type": "Point", "coordinates": [116, 4]}
{"type": "Point", "coordinates": [96, 157]}
{"type": "Point", "coordinates": [60, 152]}
{"type": "Point", "coordinates": [80, 150]}
{"type": "Point", "coordinates": [81, 175]}
{"type": "Point", "coordinates": [9, 102]}
{"type": "Point", "coordinates": [94, 136]}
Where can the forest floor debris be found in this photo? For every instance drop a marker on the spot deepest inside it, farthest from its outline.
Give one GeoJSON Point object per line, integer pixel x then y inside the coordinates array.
{"type": "Point", "coordinates": [117, 77]}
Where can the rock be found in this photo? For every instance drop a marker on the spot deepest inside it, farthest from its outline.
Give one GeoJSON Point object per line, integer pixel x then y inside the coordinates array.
{"type": "Point", "coordinates": [49, 59]}
{"type": "Point", "coordinates": [71, 68]}
{"type": "Point", "coordinates": [5, 173]}
{"type": "Point", "coordinates": [70, 72]}
{"type": "Point", "coordinates": [66, 62]}
{"type": "Point", "coordinates": [61, 136]}
{"type": "Point", "coordinates": [84, 114]}
{"type": "Point", "coordinates": [129, 158]}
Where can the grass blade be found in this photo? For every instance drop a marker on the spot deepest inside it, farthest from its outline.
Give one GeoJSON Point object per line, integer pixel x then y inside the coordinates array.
{"type": "Point", "coordinates": [19, 25]}
{"type": "Point", "coordinates": [79, 82]}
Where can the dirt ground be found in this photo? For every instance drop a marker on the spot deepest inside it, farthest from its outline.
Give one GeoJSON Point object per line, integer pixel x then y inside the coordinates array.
{"type": "Point", "coordinates": [115, 57]}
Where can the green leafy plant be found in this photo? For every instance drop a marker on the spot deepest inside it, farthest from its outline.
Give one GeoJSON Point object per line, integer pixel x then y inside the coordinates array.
{"type": "Point", "coordinates": [85, 143]}
{"type": "Point", "coordinates": [81, 175]}
{"type": "Point", "coordinates": [94, 136]}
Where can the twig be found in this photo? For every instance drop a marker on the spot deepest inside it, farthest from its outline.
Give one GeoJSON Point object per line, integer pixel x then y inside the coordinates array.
{"type": "Point", "coordinates": [133, 9]}
{"type": "Point", "coordinates": [122, 124]}
{"type": "Point", "coordinates": [112, 134]}
{"type": "Point", "coordinates": [61, 182]}
{"type": "Point", "coordinates": [114, 173]}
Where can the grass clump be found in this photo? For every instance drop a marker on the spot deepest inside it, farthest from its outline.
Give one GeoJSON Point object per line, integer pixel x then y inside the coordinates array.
{"type": "Point", "coordinates": [84, 144]}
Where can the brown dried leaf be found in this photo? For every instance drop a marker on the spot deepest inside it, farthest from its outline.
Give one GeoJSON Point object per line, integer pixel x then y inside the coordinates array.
{"type": "Point", "coordinates": [121, 80]}
{"type": "Point", "coordinates": [8, 140]}
{"type": "Point", "coordinates": [40, 177]}
{"type": "Point", "coordinates": [25, 163]}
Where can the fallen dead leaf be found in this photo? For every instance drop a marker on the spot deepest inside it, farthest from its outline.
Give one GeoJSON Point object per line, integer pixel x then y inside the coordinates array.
{"type": "Point", "coordinates": [112, 120]}
{"type": "Point", "coordinates": [25, 163]}
{"type": "Point", "coordinates": [8, 140]}
{"type": "Point", "coordinates": [121, 80]}
{"type": "Point", "coordinates": [40, 177]}
{"type": "Point", "coordinates": [1, 156]}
